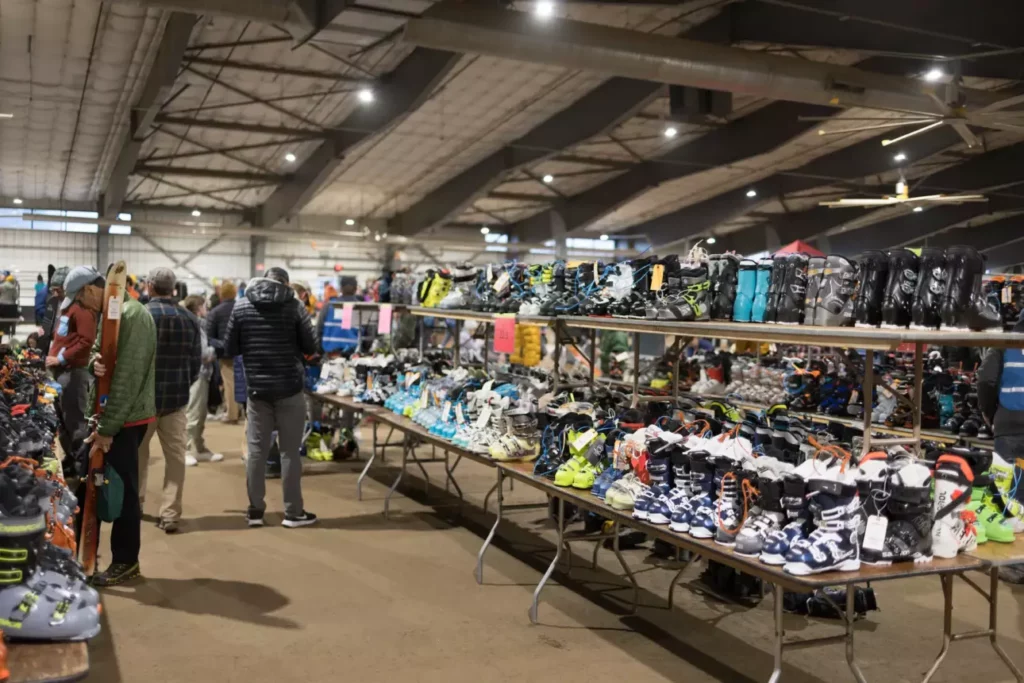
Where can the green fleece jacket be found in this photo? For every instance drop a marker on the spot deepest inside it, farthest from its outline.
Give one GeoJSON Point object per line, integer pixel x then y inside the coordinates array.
{"type": "Point", "coordinates": [132, 395]}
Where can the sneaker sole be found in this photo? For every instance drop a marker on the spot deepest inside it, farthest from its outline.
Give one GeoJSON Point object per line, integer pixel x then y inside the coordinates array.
{"type": "Point", "coordinates": [255, 522]}
{"type": "Point", "coordinates": [296, 523]}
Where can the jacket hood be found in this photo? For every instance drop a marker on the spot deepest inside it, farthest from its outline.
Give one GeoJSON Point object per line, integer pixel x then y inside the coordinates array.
{"type": "Point", "coordinates": [263, 291]}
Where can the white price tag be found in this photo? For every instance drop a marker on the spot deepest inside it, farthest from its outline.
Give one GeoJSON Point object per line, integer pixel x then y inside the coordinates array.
{"type": "Point", "coordinates": [874, 536]}
{"type": "Point", "coordinates": [487, 385]}
{"type": "Point", "coordinates": [621, 357]}
{"type": "Point", "coordinates": [854, 394]}
{"type": "Point", "coordinates": [490, 272]}
{"type": "Point", "coordinates": [584, 439]}
{"type": "Point", "coordinates": [459, 417]}
{"type": "Point", "coordinates": [114, 308]}
{"type": "Point", "coordinates": [446, 411]}
{"type": "Point", "coordinates": [423, 398]}
{"type": "Point", "coordinates": [501, 282]}
{"type": "Point", "coordinates": [323, 445]}
{"type": "Point", "coordinates": [325, 371]}
{"type": "Point", "coordinates": [485, 417]}
{"type": "Point", "coordinates": [411, 379]}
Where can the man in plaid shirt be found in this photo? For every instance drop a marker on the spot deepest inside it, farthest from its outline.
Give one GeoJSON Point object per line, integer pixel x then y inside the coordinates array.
{"type": "Point", "coordinates": [178, 361]}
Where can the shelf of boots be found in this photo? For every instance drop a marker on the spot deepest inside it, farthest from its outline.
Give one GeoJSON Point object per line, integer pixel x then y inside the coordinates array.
{"type": "Point", "coordinates": [47, 662]}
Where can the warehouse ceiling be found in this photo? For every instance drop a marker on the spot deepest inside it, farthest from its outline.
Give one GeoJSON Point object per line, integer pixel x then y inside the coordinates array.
{"type": "Point", "coordinates": [278, 111]}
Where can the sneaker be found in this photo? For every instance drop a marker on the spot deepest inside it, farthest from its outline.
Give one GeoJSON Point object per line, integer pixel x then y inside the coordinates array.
{"type": "Point", "coordinates": [169, 526]}
{"type": "Point", "coordinates": [207, 456]}
{"type": "Point", "coordinates": [293, 522]}
{"type": "Point", "coordinates": [116, 574]}
{"type": "Point", "coordinates": [190, 461]}
{"type": "Point", "coordinates": [254, 517]}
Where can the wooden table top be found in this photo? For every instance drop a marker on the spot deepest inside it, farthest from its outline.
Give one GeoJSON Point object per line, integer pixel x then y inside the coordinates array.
{"type": "Point", "coordinates": [47, 662]}
{"type": "Point", "coordinates": [1000, 554]}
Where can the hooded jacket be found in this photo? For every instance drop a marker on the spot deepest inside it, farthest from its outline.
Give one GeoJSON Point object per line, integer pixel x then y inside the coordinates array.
{"type": "Point", "coordinates": [217, 325]}
{"type": "Point", "coordinates": [271, 330]}
{"type": "Point", "coordinates": [1004, 422]}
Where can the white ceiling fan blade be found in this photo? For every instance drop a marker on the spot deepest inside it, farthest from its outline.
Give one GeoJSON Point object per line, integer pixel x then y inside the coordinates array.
{"type": "Point", "coordinates": [955, 198]}
{"type": "Point", "coordinates": [879, 126]}
{"type": "Point", "coordinates": [887, 119]}
{"type": "Point", "coordinates": [840, 203]}
{"type": "Point", "coordinates": [1003, 125]}
{"type": "Point", "coordinates": [886, 143]}
{"type": "Point", "coordinates": [965, 132]}
{"type": "Point", "coordinates": [1002, 104]}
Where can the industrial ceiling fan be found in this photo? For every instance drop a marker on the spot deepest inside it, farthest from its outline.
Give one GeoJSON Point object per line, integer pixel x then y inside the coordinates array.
{"type": "Point", "coordinates": [902, 196]}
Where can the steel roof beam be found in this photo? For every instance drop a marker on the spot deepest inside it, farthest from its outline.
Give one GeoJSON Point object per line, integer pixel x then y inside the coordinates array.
{"type": "Point", "coordinates": [148, 169]}
{"type": "Point", "coordinates": [277, 70]}
{"type": "Point", "coordinates": [241, 127]}
{"type": "Point", "coordinates": [1006, 256]}
{"type": "Point", "coordinates": [400, 92]}
{"type": "Point", "coordinates": [157, 88]}
{"type": "Point", "coordinates": [982, 237]}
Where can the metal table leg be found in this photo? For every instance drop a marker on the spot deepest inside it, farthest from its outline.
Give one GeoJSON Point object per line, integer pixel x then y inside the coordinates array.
{"type": "Point", "coordinates": [449, 473]}
{"type": "Point", "coordinates": [629, 572]}
{"type": "Point", "coordinates": [679, 575]}
{"type": "Point", "coordinates": [426, 477]}
{"type": "Point", "coordinates": [559, 543]}
{"type": "Point", "coordinates": [490, 536]}
{"type": "Point", "coordinates": [947, 623]}
{"type": "Point", "coordinates": [780, 631]}
{"type": "Point", "coordinates": [369, 463]}
{"type": "Point", "coordinates": [850, 618]}
{"type": "Point", "coordinates": [406, 447]}
{"type": "Point", "coordinates": [993, 612]}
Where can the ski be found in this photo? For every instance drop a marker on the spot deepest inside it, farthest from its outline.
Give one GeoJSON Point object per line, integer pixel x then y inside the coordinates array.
{"type": "Point", "coordinates": [113, 301]}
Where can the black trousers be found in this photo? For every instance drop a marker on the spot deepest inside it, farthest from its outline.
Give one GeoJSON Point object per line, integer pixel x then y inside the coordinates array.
{"type": "Point", "coordinates": [126, 531]}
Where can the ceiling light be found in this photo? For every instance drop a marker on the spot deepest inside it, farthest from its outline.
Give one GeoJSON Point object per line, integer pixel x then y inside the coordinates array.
{"type": "Point", "coordinates": [711, 240]}
{"type": "Point", "coordinates": [289, 157]}
{"type": "Point", "coordinates": [6, 115]}
{"type": "Point", "coordinates": [124, 216]}
{"type": "Point", "coordinates": [604, 238]}
{"type": "Point", "coordinates": [671, 132]}
{"type": "Point", "coordinates": [933, 75]}
{"type": "Point", "coordinates": [484, 230]}
{"type": "Point", "coordinates": [548, 179]}
{"type": "Point", "coordinates": [900, 157]}
{"type": "Point", "coordinates": [918, 209]}
{"type": "Point", "coordinates": [18, 201]}
{"type": "Point", "coordinates": [544, 9]}
{"type": "Point", "coordinates": [751, 193]}
{"type": "Point", "coordinates": [350, 221]}
{"type": "Point", "coordinates": [366, 96]}
{"type": "Point", "coordinates": [196, 213]}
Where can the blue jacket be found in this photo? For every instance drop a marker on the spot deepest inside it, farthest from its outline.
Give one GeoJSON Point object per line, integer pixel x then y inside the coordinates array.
{"type": "Point", "coordinates": [40, 304]}
{"type": "Point", "coordinates": [1001, 371]}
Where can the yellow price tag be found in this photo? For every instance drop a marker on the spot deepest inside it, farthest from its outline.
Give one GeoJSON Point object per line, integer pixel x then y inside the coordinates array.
{"type": "Point", "coordinates": [658, 277]}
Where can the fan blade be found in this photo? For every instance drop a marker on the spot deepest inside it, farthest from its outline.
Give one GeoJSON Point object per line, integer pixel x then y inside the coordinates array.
{"type": "Point", "coordinates": [965, 132]}
{"type": "Point", "coordinates": [879, 126]}
{"type": "Point", "coordinates": [839, 203]}
{"type": "Point", "coordinates": [1002, 125]}
{"type": "Point", "coordinates": [955, 198]}
{"type": "Point", "coordinates": [886, 143]}
{"type": "Point", "coordinates": [1002, 104]}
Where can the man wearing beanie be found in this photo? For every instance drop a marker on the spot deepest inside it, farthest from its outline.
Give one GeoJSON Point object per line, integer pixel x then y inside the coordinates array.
{"type": "Point", "coordinates": [178, 362]}
{"type": "Point", "coordinates": [272, 331]}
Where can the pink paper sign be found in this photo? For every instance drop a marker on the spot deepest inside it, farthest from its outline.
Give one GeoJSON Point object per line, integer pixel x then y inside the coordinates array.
{"type": "Point", "coordinates": [505, 334]}
{"type": "Point", "coordinates": [346, 316]}
{"type": "Point", "coordinates": [384, 321]}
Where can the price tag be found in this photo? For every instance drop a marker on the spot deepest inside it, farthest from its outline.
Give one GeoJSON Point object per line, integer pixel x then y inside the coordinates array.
{"type": "Point", "coordinates": [446, 411]}
{"type": "Point", "coordinates": [423, 398]}
{"type": "Point", "coordinates": [114, 308]}
{"type": "Point", "coordinates": [459, 417]}
{"type": "Point", "coordinates": [369, 382]}
{"type": "Point", "coordinates": [1006, 295]}
{"type": "Point", "coordinates": [384, 319]}
{"type": "Point", "coordinates": [325, 371]}
{"type": "Point", "coordinates": [505, 333]}
{"type": "Point", "coordinates": [490, 272]}
{"type": "Point", "coordinates": [484, 418]}
{"type": "Point", "coordinates": [874, 536]}
{"type": "Point", "coordinates": [657, 277]}
{"type": "Point", "coordinates": [584, 439]}
{"type": "Point", "coordinates": [346, 316]}
{"type": "Point", "coordinates": [502, 282]}
{"type": "Point", "coordinates": [597, 277]}
{"type": "Point", "coordinates": [854, 394]}
{"type": "Point", "coordinates": [411, 378]}
{"type": "Point", "coordinates": [622, 357]}
{"type": "Point", "coordinates": [487, 385]}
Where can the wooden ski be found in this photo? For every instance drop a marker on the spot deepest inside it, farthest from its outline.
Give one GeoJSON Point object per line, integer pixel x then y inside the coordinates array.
{"type": "Point", "coordinates": [113, 303]}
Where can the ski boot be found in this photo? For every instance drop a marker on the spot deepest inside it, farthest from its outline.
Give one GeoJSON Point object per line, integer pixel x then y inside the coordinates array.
{"type": "Point", "coordinates": [931, 288]}
{"type": "Point", "coordinates": [835, 295]}
{"type": "Point", "coordinates": [688, 302]}
{"type": "Point", "coordinates": [745, 291]}
{"type": "Point", "coordinates": [899, 288]}
{"type": "Point", "coordinates": [965, 306]}
{"type": "Point", "coordinates": [775, 285]}
{"type": "Point", "coordinates": [762, 283]}
{"type": "Point", "coordinates": [954, 528]}
{"type": "Point", "coordinates": [833, 545]}
{"type": "Point", "coordinates": [907, 515]}
{"type": "Point", "coordinates": [705, 519]}
{"type": "Point", "coordinates": [793, 291]}
{"type": "Point", "coordinates": [990, 510]}
{"type": "Point", "coordinates": [798, 520]}
{"type": "Point", "coordinates": [873, 274]}
{"type": "Point", "coordinates": [724, 285]}
{"type": "Point", "coordinates": [701, 485]}
{"type": "Point", "coordinates": [766, 518]}
{"type": "Point", "coordinates": [815, 271]}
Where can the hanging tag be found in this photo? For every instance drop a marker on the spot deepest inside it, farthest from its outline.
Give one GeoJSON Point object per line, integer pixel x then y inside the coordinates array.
{"type": "Point", "coordinates": [583, 439]}
{"type": "Point", "coordinates": [325, 371]}
{"type": "Point", "coordinates": [459, 417]}
{"type": "Point", "coordinates": [490, 273]}
{"type": "Point", "coordinates": [657, 277]}
{"type": "Point", "coordinates": [484, 418]}
{"type": "Point", "coordinates": [487, 385]}
{"type": "Point", "coordinates": [369, 382]}
{"type": "Point", "coordinates": [411, 378]}
{"type": "Point", "coordinates": [597, 278]}
{"type": "Point", "coordinates": [501, 282]}
{"type": "Point", "coordinates": [854, 394]}
{"type": "Point", "coordinates": [622, 357]}
{"type": "Point", "coordinates": [446, 410]}
{"type": "Point", "coordinates": [874, 536]}
{"type": "Point", "coordinates": [505, 333]}
{"type": "Point", "coordinates": [384, 319]}
{"type": "Point", "coordinates": [1006, 295]}
{"type": "Point", "coordinates": [423, 398]}
{"type": "Point", "coordinates": [346, 316]}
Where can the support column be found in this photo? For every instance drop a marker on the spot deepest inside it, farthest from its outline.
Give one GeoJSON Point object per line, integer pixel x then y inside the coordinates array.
{"type": "Point", "coordinates": [558, 233]}
{"type": "Point", "coordinates": [257, 256]}
{"type": "Point", "coordinates": [102, 249]}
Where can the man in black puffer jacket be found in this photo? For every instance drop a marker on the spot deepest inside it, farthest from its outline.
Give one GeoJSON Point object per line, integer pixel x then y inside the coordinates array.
{"type": "Point", "coordinates": [272, 331]}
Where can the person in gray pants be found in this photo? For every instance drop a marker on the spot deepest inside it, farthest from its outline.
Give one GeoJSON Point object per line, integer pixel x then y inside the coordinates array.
{"type": "Point", "coordinates": [272, 332]}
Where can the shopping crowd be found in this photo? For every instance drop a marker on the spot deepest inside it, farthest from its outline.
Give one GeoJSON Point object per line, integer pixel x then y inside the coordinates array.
{"type": "Point", "coordinates": [170, 350]}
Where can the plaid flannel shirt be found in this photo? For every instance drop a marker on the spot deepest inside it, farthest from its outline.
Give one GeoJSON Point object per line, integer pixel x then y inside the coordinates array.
{"type": "Point", "coordinates": [178, 353]}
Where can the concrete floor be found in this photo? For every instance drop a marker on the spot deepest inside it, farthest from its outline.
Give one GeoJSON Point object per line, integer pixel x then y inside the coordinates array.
{"type": "Point", "coordinates": [359, 598]}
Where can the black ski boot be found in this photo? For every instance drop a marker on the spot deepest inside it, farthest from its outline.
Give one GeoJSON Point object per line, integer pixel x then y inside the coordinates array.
{"type": "Point", "coordinates": [815, 271]}
{"type": "Point", "coordinates": [965, 305]}
{"type": "Point", "coordinates": [873, 273]}
{"type": "Point", "coordinates": [931, 288]}
{"type": "Point", "coordinates": [687, 299]}
{"type": "Point", "coordinates": [793, 293]}
{"type": "Point", "coordinates": [899, 289]}
{"type": "Point", "coordinates": [724, 273]}
{"type": "Point", "coordinates": [836, 293]}
{"type": "Point", "coordinates": [771, 308]}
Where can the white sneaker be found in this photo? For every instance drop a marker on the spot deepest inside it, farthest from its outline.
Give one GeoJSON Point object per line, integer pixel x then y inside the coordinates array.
{"type": "Point", "coordinates": [190, 461]}
{"type": "Point", "coordinates": [207, 456]}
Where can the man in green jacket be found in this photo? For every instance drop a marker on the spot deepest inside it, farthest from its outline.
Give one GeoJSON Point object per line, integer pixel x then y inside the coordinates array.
{"type": "Point", "coordinates": [130, 407]}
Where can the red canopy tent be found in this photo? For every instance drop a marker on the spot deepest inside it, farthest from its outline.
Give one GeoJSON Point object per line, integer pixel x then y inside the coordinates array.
{"type": "Point", "coordinates": [799, 247]}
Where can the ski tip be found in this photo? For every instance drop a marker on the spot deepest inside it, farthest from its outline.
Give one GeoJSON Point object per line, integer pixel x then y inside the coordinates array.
{"type": "Point", "coordinates": [117, 268]}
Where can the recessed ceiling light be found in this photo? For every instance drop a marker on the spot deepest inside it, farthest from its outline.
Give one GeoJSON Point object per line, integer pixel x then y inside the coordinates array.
{"type": "Point", "coordinates": [548, 178]}
{"type": "Point", "coordinates": [124, 216]}
{"type": "Point", "coordinates": [349, 221]}
{"type": "Point", "coordinates": [484, 230]}
{"type": "Point", "coordinates": [6, 115]}
{"type": "Point", "coordinates": [918, 209]}
{"type": "Point", "coordinates": [544, 9]}
{"type": "Point", "coordinates": [671, 132]}
{"type": "Point", "coordinates": [604, 237]}
{"type": "Point", "coordinates": [289, 157]}
{"type": "Point", "coordinates": [711, 240]}
{"type": "Point", "coordinates": [196, 213]}
{"type": "Point", "coordinates": [366, 96]}
{"type": "Point", "coordinates": [934, 75]}
{"type": "Point", "coordinates": [900, 157]}
{"type": "Point", "coordinates": [751, 193]}
{"type": "Point", "coordinates": [17, 200]}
